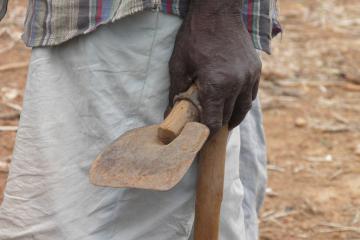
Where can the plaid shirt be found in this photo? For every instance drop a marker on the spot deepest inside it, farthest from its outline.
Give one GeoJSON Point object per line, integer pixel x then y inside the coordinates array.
{"type": "Point", "coordinates": [51, 22]}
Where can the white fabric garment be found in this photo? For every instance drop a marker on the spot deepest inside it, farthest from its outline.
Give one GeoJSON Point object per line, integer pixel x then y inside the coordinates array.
{"type": "Point", "coordinates": [79, 97]}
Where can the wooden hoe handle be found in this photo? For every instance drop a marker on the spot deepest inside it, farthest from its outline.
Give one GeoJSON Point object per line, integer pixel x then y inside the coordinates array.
{"type": "Point", "coordinates": [210, 184]}
{"type": "Point", "coordinates": [183, 112]}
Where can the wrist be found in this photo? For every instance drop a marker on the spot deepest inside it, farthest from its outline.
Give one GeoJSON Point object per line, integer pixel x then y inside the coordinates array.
{"type": "Point", "coordinates": [216, 7]}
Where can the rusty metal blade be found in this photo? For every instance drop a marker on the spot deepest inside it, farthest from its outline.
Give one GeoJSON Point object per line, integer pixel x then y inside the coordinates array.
{"type": "Point", "coordinates": [137, 159]}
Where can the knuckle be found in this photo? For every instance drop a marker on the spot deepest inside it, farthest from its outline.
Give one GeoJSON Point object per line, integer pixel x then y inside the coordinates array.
{"type": "Point", "coordinates": [254, 69]}
{"type": "Point", "coordinates": [214, 126]}
{"type": "Point", "coordinates": [208, 95]}
{"type": "Point", "coordinates": [212, 118]}
{"type": "Point", "coordinates": [246, 107]}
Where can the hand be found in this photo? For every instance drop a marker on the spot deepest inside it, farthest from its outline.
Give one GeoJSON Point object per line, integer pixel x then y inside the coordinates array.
{"type": "Point", "coordinates": [214, 50]}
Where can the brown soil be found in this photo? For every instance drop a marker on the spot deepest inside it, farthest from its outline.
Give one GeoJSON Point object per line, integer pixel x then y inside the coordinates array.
{"type": "Point", "coordinates": [310, 93]}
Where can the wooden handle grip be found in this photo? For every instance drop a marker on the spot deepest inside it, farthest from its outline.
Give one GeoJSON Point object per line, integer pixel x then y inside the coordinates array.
{"type": "Point", "coordinates": [210, 184]}
{"type": "Point", "coordinates": [183, 112]}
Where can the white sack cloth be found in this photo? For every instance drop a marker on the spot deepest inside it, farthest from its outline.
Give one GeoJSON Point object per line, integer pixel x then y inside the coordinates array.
{"type": "Point", "coordinates": [82, 95]}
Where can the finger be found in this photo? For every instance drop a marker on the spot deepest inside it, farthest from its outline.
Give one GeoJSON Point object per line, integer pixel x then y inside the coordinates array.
{"type": "Point", "coordinates": [228, 109]}
{"type": "Point", "coordinates": [179, 77]}
{"type": "Point", "coordinates": [212, 110]}
{"type": "Point", "coordinates": [242, 106]}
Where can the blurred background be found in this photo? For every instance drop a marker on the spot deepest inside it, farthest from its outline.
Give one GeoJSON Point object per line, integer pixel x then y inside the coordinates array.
{"type": "Point", "coordinates": [311, 101]}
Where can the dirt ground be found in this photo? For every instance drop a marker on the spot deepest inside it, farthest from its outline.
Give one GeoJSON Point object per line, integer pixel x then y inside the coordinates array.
{"type": "Point", "coordinates": [310, 94]}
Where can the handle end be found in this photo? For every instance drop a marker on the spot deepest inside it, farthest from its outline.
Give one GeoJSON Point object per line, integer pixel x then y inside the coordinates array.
{"type": "Point", "coordinates": [183, 112]}
{"type": "Point", "coordinates": [166, 135]}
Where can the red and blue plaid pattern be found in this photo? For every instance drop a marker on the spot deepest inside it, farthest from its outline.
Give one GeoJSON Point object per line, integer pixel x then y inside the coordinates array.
{"type": "Point", "coordinates": [51, 22]}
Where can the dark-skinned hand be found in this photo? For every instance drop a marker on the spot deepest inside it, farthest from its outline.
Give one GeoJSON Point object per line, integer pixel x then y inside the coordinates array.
{"type": "Point", "coordinates": [214, 50]}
